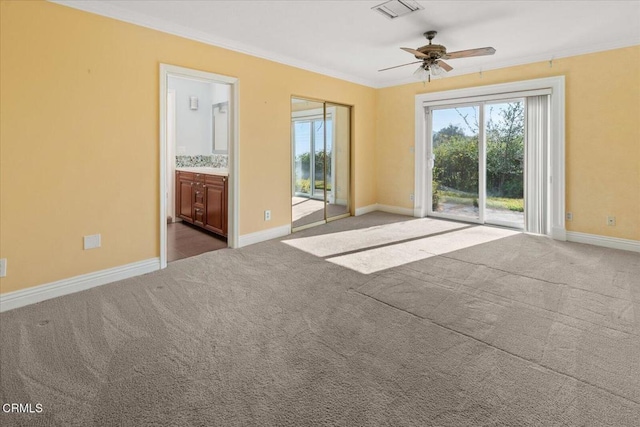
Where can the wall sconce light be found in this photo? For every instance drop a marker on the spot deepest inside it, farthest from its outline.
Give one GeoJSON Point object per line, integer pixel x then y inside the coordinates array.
{"type": "Point", "coordinates": [193, 102]}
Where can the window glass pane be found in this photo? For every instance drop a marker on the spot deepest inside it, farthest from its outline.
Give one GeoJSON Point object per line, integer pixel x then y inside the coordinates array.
{"type": "Point", "coordinates": [455, 172]}
{"type": "Point", "coordinates": [302, 156]}
{"type": "Point", "coordinates": [504, 127]}
{"type": "Point", "coordinates": [318, 126]}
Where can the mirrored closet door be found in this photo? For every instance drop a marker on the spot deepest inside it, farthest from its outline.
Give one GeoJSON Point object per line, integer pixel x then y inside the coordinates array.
{"type": "Point", "coordinates": [320, 147]}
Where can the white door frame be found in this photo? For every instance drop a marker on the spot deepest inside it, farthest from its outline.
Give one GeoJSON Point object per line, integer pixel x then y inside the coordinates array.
{"type": "Point", "coordinates": [555, 85]}
{"type": "Point", "coordinates": [167, 70]}
{"type": "Point", "coordinates": [171, 151]}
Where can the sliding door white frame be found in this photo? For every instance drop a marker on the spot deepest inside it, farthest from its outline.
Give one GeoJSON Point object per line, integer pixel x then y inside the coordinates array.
{"type": "Point", "coordinates": [556, 176]}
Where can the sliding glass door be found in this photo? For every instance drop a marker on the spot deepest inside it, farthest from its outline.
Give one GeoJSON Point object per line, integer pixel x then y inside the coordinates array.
{"type": "Point", "coordinates": [476, 162]}
{"type": "Point", "coordinates": [303, 166]}
{"type": "Point", "coordinates": [456, 162]}
{"type": "Point", "coordinates": [320, 141]}
{"type": "Point", "coordinates": [308, 157]}
{"type": "Point", "coordinates": [504, 177]}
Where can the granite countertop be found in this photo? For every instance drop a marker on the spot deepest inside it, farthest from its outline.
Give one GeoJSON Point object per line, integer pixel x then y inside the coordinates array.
{"type": "Point", "coordinates": [205, 170]}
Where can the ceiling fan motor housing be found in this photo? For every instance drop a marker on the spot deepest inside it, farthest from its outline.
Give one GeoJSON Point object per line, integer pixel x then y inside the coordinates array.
{"type": "Point", "coordinates": [434, 51]}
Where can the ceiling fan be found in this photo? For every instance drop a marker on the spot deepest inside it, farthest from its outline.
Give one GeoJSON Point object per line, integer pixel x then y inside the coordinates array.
{"type": "Point", "coordinates": [431, 56]}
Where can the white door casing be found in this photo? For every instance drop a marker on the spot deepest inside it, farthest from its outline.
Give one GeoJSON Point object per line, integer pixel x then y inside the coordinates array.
{"type": "Point", "coordinates": [167, 70]}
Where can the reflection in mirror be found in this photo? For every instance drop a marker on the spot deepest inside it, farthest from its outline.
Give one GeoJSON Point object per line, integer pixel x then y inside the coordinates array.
{"type": "Point", "coordinates": [307, 134]}
{"type": "Point", "coordinates": [320, 161]}
{"type": "Point", "coordinates": [220, 127]}
{"type": "Point", "coordinates": [338, 147]}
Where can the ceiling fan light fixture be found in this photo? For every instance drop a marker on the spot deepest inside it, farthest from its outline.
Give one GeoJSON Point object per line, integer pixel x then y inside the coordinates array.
{"type": "Point", "coordinates": [426, 72]}
{"type": "Point", "coordinates": [421, 73]}
{"type": "Point", "coordinates": [436, 70]}
{"type": "Point", "coordinates": [393, 9]}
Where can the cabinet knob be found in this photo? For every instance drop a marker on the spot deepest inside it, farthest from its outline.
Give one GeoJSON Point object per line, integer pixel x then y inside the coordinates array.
{"type": "Point", "coordinates": [224, 179]}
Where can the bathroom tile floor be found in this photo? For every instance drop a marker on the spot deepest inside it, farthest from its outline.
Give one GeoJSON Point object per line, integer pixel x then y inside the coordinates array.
{"type": "Point", "coordinates": [184, 241]}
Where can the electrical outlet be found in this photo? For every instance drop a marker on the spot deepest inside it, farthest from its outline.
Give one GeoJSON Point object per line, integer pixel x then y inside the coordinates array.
{"type": "Point", "coordinates": [569, 216]}
{"type": "Point", "coordinates": [3, 267]}
{"type": "Point", "coordinates": [92, 242]}
{"type": "Point", "coordinates": [611, 221]}
{"type": "Point", "coordinates": [267, 215]}
{"type": "Point", "coordinates": [411, 197]}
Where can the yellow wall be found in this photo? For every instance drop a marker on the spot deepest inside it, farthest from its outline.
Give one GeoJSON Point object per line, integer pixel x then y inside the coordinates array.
{"type": "Point", "coordinates": [602, 136]}
{"type": "Point", "coordinates": [79, 137]}
{"type": "Point", "coordinates": [79, 147]}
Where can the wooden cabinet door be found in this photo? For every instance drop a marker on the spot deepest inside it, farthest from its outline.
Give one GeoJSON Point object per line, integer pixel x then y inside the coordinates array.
{"type": "Point", "coordinates": [216, 203]}
{"type": "Point", "coordinates": [184, 197]}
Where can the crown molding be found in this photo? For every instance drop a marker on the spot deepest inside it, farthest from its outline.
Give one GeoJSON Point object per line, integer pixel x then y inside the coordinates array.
{"type": "Point", "coordinates": [111, 11]}
{"type": "Point", "coordinates": [106, 9]}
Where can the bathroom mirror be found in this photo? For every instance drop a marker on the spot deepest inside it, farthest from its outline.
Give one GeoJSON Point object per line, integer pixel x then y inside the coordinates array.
{"type": "Point", "coordinates": [220, 127]}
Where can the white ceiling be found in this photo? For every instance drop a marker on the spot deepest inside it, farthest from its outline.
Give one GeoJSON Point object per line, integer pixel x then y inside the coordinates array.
{"type": "Point", "coordinates": [348, 40]}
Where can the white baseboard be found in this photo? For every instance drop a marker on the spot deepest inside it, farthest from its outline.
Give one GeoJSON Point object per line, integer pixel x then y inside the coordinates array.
{"type": "Point", "coordinates": [366, 209]}
{"type": "Point", "coordinates": [385, 208]}
{"type": "Point", "coordinates": [607, 242]}
{"type": "Point", "coordinates": [558, 233]}
{"type": "Point", "coordinates": [11, 300]}
{"type": "Point", "coordinates": [395, 210]}
{"type": "Point", "coordinates": [264, 235]}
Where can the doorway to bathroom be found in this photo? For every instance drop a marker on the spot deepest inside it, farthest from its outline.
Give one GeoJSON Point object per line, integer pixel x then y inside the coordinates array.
{"type": "Point", "coordinates": [198, 136]}
{"type": "Point", "coordinates": [320, 147]}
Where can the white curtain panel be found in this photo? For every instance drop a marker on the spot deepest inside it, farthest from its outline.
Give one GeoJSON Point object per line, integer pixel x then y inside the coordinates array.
{"type": "Point", "coordinates": [536, 165]}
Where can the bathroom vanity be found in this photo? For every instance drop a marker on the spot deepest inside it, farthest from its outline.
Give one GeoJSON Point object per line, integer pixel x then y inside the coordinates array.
{"type": "Point", "coordinates": [201, 197]}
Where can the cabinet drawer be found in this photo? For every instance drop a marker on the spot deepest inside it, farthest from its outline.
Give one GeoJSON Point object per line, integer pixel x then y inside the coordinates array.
{"type": "Point", "coordinates": [215, 179]}
{"type": "Point", "coordinates": [199, 177]}
{"type": "Point", "coordinates": [188, 176]}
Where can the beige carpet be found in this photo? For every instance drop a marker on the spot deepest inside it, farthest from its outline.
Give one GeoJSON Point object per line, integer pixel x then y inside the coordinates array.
{"type": "Point", "coordinates": [515, 330]}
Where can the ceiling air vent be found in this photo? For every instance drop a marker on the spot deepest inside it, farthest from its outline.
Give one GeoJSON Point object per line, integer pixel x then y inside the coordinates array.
{"type": "Point", "coordinates": [393, 9]}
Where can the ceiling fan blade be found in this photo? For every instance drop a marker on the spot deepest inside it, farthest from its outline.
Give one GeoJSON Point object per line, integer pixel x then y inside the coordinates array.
{"type": "Point", "coordinates": [444, 65]}
{"type": "Point", "coordinates": [397, 66]}
{"type": "Point", "coordinates": [417, 53]}
{"type": "Point", "coordinates": [481, 51]}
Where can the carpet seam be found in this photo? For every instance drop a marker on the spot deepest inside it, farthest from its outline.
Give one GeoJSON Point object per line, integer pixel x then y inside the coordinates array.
{"type": "Point", "coordinates": [552, 283]}
{"type": "Point", "coordinates": [551, 312]}
{"type": "Point", "coordinates": [499, 349]}
{"type": "Point", "coordinates": [529, 277]}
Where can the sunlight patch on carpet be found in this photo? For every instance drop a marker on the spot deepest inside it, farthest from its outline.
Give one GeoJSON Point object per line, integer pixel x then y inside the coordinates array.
{"type": "Point", "coordinates": [382, 258]}
{"type": "Point", "coordinates": [353, 240]}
